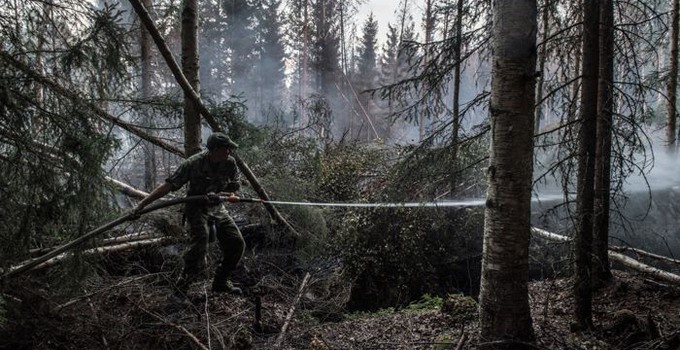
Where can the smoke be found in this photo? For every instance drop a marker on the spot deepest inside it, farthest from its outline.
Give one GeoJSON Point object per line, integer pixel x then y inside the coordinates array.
{"type": "Point", "coordinates": [658, 167]}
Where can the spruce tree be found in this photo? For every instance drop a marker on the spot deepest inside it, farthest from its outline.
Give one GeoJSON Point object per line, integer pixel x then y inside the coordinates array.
{"type": "Point", "coordinates": [365, 79]}
{"type": "Point", "coordinates": [240, 41]}
{"type": "Point", "coordinates": [271, 56]}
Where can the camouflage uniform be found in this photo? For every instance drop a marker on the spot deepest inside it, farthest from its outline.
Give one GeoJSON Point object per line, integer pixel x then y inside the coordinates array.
{"type": "Point", "coordinates": [205, 177]}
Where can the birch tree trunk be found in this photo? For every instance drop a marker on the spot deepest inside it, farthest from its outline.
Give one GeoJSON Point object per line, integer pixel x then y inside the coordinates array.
{"type": "Point", "coordinates": [583, 243]}
{"type": "Point", "coordinates": [605, 107]}
{"type": "Point", "coordinates": [504, 316]}
{"type": "Point", "coordinates": [192, 117]}
{"type": "Point", "coordinates": [671, 127]}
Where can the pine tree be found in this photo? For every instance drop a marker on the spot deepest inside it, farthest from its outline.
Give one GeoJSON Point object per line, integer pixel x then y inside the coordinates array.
{"type": "Point", "coordinates": [395, 67]}
{"type": "Point", "coordinates": [325, 47]}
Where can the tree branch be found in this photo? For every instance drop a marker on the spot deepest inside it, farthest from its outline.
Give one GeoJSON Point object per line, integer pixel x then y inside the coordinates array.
{"type": "Point", "coordinates": [75, 97]}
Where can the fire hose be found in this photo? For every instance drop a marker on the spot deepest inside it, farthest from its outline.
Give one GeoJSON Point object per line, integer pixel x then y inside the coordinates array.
{"type": "Point", "coordinates": [215, 199]}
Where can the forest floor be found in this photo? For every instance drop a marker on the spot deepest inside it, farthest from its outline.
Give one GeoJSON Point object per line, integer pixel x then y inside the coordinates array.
{"type": "Point", "coordinates": [134, 312]}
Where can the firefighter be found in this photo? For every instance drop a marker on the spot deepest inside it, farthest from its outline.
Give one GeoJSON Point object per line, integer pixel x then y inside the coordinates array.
{"type": "Point", "coordinates": [212, 172]}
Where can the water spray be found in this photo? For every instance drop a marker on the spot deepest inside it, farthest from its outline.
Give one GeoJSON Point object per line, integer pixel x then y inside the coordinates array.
{"type": "Point", "coordinates": [464, 203]}
{"type": "Point", "coordinates": [477, 202]}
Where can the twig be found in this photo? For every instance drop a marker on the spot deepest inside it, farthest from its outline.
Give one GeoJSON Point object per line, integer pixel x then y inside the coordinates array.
{"type": "Point", "coordinates": [279, 338]}
{"type": "Point", "coordinates": [178, 327]}
{"type": "Point", "coordinates": [96, 317]}
{"type": "Point", "coordinates": [60, 307]}
{"type": "Point", "coordinates": [207, 314]}
{"type": "Point", "coordinates": [461, 341]}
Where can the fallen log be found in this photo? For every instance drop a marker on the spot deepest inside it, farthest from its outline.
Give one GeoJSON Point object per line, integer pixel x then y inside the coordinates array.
{"type": "Point", "coordinates": [35, 252]}
{"type": "Point", "coordinates": [623, 259]}
{"type": "Point", "coordinates": [620, 249]}
{"type": "Point", "coordinates": [127, 189]}
{"type": "Point", "coordinates": [644, 268]}
{"type": "Point", "coordinates": [108, 249]}
{"type": "Point", "coordinates": [131, 237]}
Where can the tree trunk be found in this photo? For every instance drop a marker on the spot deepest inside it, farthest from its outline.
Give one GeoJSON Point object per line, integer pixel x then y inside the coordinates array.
{"type": "Point", "coordinates": [503, 299]}
{"type": "Point", "coordinates": [605, 107]}
{"type": "Point", "coordinates": [671, 132]}
{"type": "Point", "coordinates": [192, 117]}
{"type": "Point", "coordinates": [586, 168]}
{"type": "Point", "coordinates": [575, 86]}
{"type": "Point", "coordinates": [541, 67]}
{"type": "Point", "coordinates": [428, 28]}
{"type": "Point", "coordinates": [39, 64]}
{"type": "Point", "coordinates": [455, 125]}
{"type": "Point", "coordinates": [149, 149]}
{"type": "Point", "coordinates": [305, 65]}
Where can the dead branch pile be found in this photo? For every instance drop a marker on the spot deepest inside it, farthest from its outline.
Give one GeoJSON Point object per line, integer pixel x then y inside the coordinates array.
{"type": "Point", "coordinates": [130, 308]}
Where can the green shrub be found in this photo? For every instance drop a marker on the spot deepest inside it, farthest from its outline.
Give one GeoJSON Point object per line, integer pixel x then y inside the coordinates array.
{"type": "Point", "coordinates": [426, 302]}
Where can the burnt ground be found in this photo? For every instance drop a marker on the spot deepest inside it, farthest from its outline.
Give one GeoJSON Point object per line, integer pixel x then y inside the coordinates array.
{"type": "Point", "coordinates": [134, 312]}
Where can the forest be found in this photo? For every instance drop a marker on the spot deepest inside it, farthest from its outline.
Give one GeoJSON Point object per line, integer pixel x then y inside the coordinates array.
{"type": "Point", "coordinates": [484, 174]}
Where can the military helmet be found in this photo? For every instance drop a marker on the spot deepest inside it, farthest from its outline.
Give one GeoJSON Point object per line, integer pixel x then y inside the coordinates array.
{"type": "Point", "coordinates": [220, 139]}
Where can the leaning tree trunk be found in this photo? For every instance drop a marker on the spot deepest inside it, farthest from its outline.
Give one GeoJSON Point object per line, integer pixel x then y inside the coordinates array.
{"type": "Point", "coordinates": [586, 168]}
{"type": "Point", "coordinates": [671, 129]}
{"type": "Point", "coordinates": [192, 117]}
{"type": "Point", "coordinates": [503, 299]}
{"type": "Point", "coordinates": [605, 106]}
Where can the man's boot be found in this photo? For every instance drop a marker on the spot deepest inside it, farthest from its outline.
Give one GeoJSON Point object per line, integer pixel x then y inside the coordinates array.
{"type": "Point", "coordinates": [180, 290]}
{"type": "Point", "coordinates": [222, 284]}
